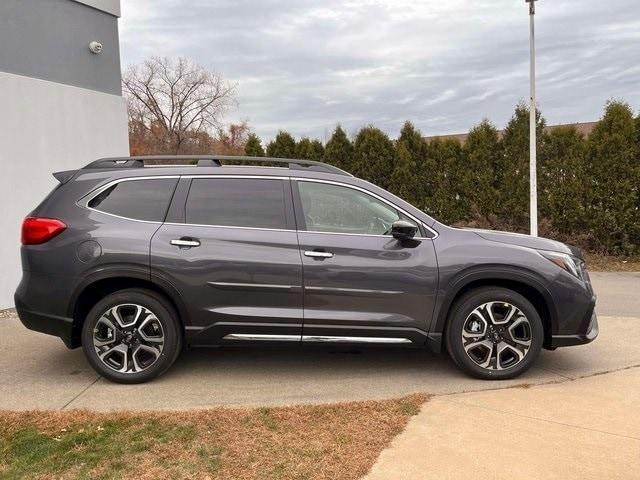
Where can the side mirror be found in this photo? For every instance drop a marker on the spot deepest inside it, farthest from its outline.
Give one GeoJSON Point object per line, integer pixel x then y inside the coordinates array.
{"type": "Point", "coordinates": [403, 230]}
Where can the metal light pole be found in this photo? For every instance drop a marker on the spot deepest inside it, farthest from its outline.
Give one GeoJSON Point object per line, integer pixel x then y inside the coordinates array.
{"type": "Point", "coordinates": [533, 178]}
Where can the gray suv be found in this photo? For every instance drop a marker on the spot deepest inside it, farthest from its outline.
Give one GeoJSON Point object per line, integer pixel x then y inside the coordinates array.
{"type": "Point", "coordinates": [133, 259]}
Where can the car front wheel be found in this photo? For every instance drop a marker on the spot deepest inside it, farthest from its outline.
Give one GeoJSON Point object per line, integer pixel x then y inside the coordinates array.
{"type": "Point", "coordinates": [494, 333]}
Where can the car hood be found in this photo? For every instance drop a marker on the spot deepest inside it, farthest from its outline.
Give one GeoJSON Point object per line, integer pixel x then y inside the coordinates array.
{"type": "Point", "coordinates": [528, 241]}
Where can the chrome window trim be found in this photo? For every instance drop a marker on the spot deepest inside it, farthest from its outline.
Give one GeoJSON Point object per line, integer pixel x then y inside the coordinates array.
{"type": "Point", "coordinates": [253, 177]}
{"type": "Point", "coordinates": [378, 197]}
{"type": "Point", "coordinates": [84, 202]}
{"type": "Point", "coordinates": [153, 222]}
{"type": "Point", "coordinates": [359, 234]}
{"type": "Point", "coordinates": [229, 226]}
{"type": "Point", "coordinates": [85, 199]}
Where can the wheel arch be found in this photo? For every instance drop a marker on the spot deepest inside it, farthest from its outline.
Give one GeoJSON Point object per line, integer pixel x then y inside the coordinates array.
{"type": "Point", "coordinates": [523, 282]}
{"type": "Point", "coordinates": [97, 286]}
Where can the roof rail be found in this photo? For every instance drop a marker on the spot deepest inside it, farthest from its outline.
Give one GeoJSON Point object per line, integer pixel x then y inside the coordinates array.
{"type": "Point", "coordinates": [211, 161]}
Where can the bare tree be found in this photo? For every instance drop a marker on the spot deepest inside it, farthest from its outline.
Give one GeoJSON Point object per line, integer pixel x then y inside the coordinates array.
{"type": "Point", "coordinates": [233, 139]}
{"type": "Point", "coordinates": [176, 99]}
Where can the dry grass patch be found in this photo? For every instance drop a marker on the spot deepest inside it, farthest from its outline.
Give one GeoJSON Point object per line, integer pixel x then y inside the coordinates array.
{"type": "Point", "coordinates": [605, 263]}
{"type": "Point", "coordinates": [339, 441]}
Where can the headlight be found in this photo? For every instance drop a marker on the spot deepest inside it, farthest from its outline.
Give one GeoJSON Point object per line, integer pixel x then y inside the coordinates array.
{"type": "Point", "coordinates": [566, 262]}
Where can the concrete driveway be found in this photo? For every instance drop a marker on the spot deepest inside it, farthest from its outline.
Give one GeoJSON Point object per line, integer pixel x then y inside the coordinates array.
{"type": "Point", "coordinates": [577, 428]}
{"type": "Point", "coordinates": [587, 429]}
{"type": "Point", "coordinates": [37, 371]}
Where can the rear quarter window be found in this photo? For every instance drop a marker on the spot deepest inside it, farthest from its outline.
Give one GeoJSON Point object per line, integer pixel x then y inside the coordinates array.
{"type": "Point", "coordinates": [146, 199]}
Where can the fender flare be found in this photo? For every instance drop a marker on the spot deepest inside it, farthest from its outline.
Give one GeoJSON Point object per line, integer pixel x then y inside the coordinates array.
{"type": "Point", "coordinates": [487, 273]}
{"type": "Point", "coordinates": [129, 271]}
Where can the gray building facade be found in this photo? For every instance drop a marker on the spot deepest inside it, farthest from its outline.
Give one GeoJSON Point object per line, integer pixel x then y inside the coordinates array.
{"type": "Point", "coordinates": [61, 104]}
{"type": "Point", "coordinates": [49, 40]}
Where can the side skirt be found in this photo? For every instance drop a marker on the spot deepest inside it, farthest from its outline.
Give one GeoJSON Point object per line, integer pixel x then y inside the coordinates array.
{"type": "Point", "coordinates": [242, 333]}
{"type": "Point", "coordinates": [314, 338]}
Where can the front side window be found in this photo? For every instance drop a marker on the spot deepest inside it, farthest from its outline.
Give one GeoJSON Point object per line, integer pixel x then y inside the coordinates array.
{"type": "Point", "coordinates": [137, 199]}
{"type": "Point", "coordinates": [337, 209]}
{"type": "Point", "coordinates": [237, 202]}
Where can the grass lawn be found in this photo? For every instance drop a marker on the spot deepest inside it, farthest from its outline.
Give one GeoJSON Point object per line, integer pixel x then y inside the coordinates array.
{"type": "Point", "coordinates": [339, 441]}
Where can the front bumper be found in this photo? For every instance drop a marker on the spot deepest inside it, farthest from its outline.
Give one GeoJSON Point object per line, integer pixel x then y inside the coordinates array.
{"type": "Point", "coordinates": [578, 339]}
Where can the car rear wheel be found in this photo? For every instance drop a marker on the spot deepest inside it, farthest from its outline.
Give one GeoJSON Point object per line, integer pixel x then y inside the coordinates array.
{"type": "Point", "coordinates": [494, 333]}
{"type": "Point", "coordinates": [131, 336]}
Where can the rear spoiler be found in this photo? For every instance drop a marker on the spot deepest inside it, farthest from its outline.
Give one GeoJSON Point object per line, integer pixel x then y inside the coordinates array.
{"type": "Point", "coordinates": [65, 176]}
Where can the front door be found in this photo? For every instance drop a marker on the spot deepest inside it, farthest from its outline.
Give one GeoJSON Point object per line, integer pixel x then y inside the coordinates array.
{"type": "Point", "coordinates": [234, 259]}
{"type": "Point", "coordinates": [361, 284]}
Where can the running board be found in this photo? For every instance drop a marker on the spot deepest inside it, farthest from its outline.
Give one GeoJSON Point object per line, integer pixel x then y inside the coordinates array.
{"type": "Point", "coordinates": [315, 338]}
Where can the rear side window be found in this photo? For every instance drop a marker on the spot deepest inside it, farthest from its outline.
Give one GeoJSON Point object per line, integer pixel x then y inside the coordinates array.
{"type": "Point", "coordinates": [138, 199]}
{"type": "Point", "coordinates": [237, 202]}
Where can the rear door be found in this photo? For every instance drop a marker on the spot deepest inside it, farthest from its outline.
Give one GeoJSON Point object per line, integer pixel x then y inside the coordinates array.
{"type": "Point", "coordinates": [230, 248]}
{"type": "Point", "coordinates": [361, 284]}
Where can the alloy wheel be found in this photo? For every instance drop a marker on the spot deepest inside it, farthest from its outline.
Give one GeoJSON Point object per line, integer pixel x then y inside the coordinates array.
{"type": "Point", "coordinates": [496, 335]}
{"type": "Point", "coordinates": [128, 338]}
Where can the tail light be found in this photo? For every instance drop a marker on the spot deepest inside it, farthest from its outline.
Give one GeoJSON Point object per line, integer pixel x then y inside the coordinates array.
{"type": "Point", "coordinates": [37, 230]}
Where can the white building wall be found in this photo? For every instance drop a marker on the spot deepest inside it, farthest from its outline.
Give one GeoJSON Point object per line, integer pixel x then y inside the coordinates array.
{"type": "Point", "coordinates": [46, 127]}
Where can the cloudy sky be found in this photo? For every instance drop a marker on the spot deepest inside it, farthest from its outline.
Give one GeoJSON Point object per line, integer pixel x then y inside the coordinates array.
{"type": "Point", "coordinates": [306, 65]}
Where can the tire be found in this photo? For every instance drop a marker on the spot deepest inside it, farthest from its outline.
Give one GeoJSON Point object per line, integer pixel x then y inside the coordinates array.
{"type": "Point", "coordinates": [131, 336]}
{"type": "Point", "coordinates": [494, 333]}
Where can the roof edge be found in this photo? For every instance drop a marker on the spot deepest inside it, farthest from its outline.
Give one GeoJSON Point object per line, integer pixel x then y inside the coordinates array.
{"type": "Point", "coordinates": [111, 7]}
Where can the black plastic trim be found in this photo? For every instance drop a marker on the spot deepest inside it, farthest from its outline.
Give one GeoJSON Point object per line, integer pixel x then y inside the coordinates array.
{"type": "Point", "coordinates": [46, 323]}
{"type": "Point", "coordinates": [580, 339]}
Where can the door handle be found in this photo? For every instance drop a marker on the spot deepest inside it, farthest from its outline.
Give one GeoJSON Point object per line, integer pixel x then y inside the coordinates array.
{"type": "Point", "coordinates": [315, 254]}
{"type": "Point", "coordinates": [185, 242]}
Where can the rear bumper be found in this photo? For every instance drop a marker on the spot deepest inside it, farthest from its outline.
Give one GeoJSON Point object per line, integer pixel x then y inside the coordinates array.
{"type": "Point", "coordinates": [38, 294]}
{"type": "Point", "coordinates": [578, 339]}
{"type": "Point", "coordinates": [45, 323]}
